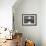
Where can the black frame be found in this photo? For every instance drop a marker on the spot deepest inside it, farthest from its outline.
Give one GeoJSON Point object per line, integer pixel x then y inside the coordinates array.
{"type": "Point", "coordinates": [31, 15]}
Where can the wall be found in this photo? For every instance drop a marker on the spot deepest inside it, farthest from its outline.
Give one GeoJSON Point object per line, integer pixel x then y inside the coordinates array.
{"type": "Point", "coordinates": [43, 22]}
{"type": "Point", "coordinates": [28, 7]}
{"type": "Point", "coordinates": [6, 13]}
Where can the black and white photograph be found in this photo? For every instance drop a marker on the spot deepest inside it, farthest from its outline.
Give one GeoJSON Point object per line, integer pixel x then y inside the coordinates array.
{"type": "Point", "coordinates": [29, 19]}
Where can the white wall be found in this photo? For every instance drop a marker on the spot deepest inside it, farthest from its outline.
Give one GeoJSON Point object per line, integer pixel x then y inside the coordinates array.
{"type": "Point", "coordinates": [43, 22]}
{"type": "Point", "coordinates": [28, 7]}
{"type": "Point", "coordinates": [6, 13]}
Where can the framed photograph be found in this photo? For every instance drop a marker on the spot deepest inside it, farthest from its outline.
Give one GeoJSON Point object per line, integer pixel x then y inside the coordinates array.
{"type": "Point", "coordinates": [29, 19]}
